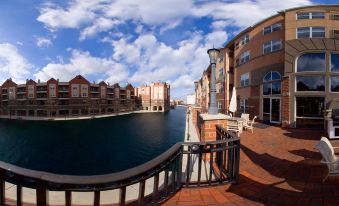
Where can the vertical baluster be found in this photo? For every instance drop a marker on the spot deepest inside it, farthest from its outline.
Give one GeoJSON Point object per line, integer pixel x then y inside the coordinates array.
{"type": "Point", "coordinates": [199, 164]}
{"type": "Point", "coordinates": [237, 159]}
{"type": "Point", "coordinates": [2, 192]}
{"type": "Point", "coordinates": [166, 182]}
{"type": "Point", "coordinates": [155, 188]}
{"type": "Point", "coordinates": [230, 161]}
{"type": "Point", "coordinates": [211, 165]}
{"type": "Point", "coordinates": [122, 198]}
{"type": "Point", "coordinates": [188, 168]}
{"type": "Point", "coordinates": [18, 195]}
{"type": "Point", "coordinates": [68, 197]}
{"type": "Point", "coordinates": [220, 164]}
{"type": "Point", "coordinates": [96, 198]}
{"type": "Point", "coordinates": [180, 169]}
{"type": "Point", "coordinates": [174, 169]}
{"type": "Point", "coordinates": [141, 193]}
{"type": "Point", "coordinates": [41, 195]}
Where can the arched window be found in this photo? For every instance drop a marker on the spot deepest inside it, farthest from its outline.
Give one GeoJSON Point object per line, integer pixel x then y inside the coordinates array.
{"type": "Point", "coordinates": [272, 83]}
{"type": "Point", "coordinates": [311, 62]}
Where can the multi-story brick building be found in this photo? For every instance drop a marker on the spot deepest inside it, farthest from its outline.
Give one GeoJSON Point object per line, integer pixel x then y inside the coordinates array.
{"type": "Point", "coordinates": [286, 67]}
{"type": "Point", "coordinates": [154, 97]}
{"type": "Point", "coordinates": [53, 98]}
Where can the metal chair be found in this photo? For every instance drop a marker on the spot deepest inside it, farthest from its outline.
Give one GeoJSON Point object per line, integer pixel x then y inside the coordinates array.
{"type": "Point", "coordinates": [234, 126]}
{"type": "Point", "coordinates": [329, 158]}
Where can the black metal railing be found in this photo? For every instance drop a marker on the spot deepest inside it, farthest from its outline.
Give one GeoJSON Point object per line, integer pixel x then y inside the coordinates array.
{"type": "Point", "coordinates": [216, 162]}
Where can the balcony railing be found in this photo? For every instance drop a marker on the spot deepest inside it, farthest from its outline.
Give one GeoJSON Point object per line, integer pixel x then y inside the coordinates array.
{"type": "Point", "coordinates": [169, 172]}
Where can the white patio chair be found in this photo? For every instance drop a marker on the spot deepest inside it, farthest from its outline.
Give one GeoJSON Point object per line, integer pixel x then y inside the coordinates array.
{"type": "Point", "coordinates": [234, 126]}
{"type": "Point", "coordinates": [249, 125]}
{"type": "Point", "coordinates": [329, 158]}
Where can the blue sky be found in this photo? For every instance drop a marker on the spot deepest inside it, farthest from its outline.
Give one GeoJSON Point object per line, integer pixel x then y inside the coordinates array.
{"type": "Point", "coordinates": [135, 41]}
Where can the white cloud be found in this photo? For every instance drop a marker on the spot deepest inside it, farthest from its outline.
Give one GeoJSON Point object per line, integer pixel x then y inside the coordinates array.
{"type": "Point", "coordinates": [221, 24]}
{"type": "Point", "coordinates": [236, 12]}
{"type": "Point", "coordinates": [43, 42]}
{"type": "Point", "coordinates": [13, 64]}
{"type": "Point", "coordinates": [85, 64]}
{"type": "Point", "coordinates": [99, 25]}
{"type": "Point", "coordinates": [78, 12]}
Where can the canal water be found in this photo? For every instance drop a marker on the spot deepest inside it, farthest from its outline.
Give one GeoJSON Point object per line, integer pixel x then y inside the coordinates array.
{"type": "Point", "coordinates": [90, 147]}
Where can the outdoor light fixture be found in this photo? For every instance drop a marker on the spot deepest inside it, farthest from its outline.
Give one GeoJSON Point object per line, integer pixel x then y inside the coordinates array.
{"type": "Point", "coordinates": [213, 54]}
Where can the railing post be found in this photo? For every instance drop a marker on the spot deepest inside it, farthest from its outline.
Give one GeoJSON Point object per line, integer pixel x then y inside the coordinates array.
{"type": "Point", "coordinates": [122, 198]}
{"type": "Point", "coordinates": [41, 195]}
{"type": "Point", "coordinates": [18, 195]}
{"type": "Point", "coordinates": [68, 198]}
{"type": "Point", "coordinates": [97, 198]}
{"type": "Point", "coordinates": [155, 188]}
{"type": "Point", "coordinates": [2, 192]}
{"type": "Point", "coordinates": [141, 193]}
{"type": "Point", "coordinates": [180, 168]}
{"type": "Point", "coordinates": [237, 161]}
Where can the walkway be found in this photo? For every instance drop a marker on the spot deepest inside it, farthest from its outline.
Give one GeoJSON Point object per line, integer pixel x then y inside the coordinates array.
{"type": "Point", "coordinates": [278, 167]}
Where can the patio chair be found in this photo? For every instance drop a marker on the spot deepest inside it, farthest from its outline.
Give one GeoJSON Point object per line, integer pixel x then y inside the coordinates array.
{"type": "Point", "coordinates": [329, 158]}
{"type": "Point", "coordinates": [246, 118]}
{"type": "Point", "coordinates": [234, 126]}
{"type": "Point", "coordinates": [249, 125]}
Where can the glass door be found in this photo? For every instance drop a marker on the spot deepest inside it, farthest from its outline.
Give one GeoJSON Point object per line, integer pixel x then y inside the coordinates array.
{"type": "Point", "coordinates": [275, 110]}
{"type": "Point", "coordinates": [271, 110]}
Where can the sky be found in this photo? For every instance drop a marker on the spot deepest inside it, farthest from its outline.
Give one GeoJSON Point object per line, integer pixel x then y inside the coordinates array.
{"type": "Point", "coordinates": [123, 41]}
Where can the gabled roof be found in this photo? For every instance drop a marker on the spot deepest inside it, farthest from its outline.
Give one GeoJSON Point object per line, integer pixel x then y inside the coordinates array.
{"type": "Point", "coordinates": [79, 80]}
{"type": "Point", "coordinates": [8, 83]}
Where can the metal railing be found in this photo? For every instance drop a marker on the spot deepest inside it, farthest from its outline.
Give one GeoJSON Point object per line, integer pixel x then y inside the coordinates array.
{"type": "Point", "coordinates": [168, 173]}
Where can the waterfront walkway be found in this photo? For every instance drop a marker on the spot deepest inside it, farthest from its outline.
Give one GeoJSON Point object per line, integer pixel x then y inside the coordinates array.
{"type": "Point", "coordinates": [277, 167]}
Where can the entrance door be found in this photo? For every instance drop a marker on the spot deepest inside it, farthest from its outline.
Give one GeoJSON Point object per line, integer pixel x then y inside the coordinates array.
{"type": "Point", "coordinates": [271, 110]}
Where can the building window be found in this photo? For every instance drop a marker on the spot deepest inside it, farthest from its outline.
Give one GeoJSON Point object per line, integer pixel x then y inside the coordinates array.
{"type": "Point", "coordinates": [272, 83]}
{"type": "Point", "coordinates": [310, 106]}
{"type": "Point", "coordinates": [221, 71]}
{"type": "Point", "coordinates": [244, 57]}
{"type": "Point", "coordinates": [311, 32]}
{"type": "Point", "coordinates": [310, 83]}
{"type": "Point", "coordinates": [237, 45]}
{"type": "Point", "coordinates": [272, 46]}
{"type": "Point", "coordinates": [311, 62]}
{"type": "Point", "coordinates": [272, 28]}
{"type": "Point", "coordinates": [245, 80]}
{"type": "Point", "coordinates": [310, 15]}
{"type": "Point", "coordinates": [245, 39]}
{"type": "Point", "coordinates": [219, 105]}
{"type": "Point", "coordinates": [244, 108]}
{"type": "Point", "coordinates": [334, 62]}
{"type": "Point", "coordinates": [335, 16]}
{"type": "Point", "coordinates": [335, 84]}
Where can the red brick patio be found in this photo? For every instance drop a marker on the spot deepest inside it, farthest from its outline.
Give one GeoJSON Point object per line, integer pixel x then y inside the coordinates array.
{"type": "Point", "coordinates": [278, 167]}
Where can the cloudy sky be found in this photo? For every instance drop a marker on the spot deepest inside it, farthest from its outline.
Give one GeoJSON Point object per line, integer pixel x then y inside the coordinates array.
{"type": "Point", "coordinates": [136, 41]}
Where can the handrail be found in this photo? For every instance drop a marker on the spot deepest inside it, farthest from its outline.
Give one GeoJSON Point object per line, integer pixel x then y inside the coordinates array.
{"type": "Point", "coordinates": [220, 158]}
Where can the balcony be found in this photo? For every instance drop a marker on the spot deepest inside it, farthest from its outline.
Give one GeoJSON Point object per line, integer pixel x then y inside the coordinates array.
{"type": "Point", "coordinates": [63, 89]}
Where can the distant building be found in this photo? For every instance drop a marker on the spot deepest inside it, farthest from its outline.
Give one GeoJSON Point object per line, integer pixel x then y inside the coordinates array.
{"type": "Point", "coordinates": [154, 97]}
{"type": "Point", "coordinates": [190, 99]}
{"type": "Point", "coordinates": [53, 98]}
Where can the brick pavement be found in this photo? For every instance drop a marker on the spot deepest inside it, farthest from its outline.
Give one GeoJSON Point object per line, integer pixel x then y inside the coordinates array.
{"type": "Point", "coordinates": [278, 167]}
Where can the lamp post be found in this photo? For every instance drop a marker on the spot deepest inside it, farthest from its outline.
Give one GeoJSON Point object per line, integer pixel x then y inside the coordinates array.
{"type": "Point", "coordinates": [213, 54]}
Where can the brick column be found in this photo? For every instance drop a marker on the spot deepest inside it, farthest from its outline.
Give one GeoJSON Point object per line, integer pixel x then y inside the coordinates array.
{"type": "Point", "coordinates": [208, 125]}
{"type": "Point", "coordinates": [285, 102]}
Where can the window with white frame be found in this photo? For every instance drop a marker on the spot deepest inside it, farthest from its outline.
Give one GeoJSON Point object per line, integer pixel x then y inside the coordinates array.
{"type": "Point", "coordinates": [310, 15]}
{"type": "Point", "coordinates": [244, 107]}
{"type": "Point", "coordinates": [244, 57]}
{"type": "Point", "coordinates": [219, 105]}
{"type": "Point", "coordinates": [221, 71]}
{"type": "Point", "coordinates": [245, 80]}
{"type": "Point", "coordinates": [272, 28]}
{"type": "Point", "coordinates": [311, 32]}
{"type": "Point", "coordinates": [245, 39]}
{"type": "Point", "coordinates": [272, 46]}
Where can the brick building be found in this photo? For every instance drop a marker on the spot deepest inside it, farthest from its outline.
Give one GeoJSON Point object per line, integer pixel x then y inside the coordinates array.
{"type": "Point", "coordinates": [285, 68]}
{"type": "Point", "coordinates": [53, 98]}
{"type": "Point", "coordinates": [154, 97]}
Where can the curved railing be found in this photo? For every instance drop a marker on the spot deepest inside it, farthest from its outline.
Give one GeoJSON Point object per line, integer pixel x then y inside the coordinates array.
{"type": "Point", "coordinates": [215, 162]}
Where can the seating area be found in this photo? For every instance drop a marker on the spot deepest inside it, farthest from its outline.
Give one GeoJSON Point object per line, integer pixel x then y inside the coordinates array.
{"type": "Point", "coordinates": [238, 124]}
{"type": "Point", "coordinates": [277, 167]}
